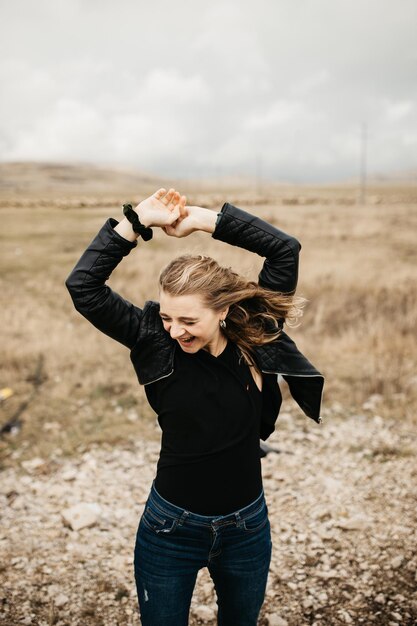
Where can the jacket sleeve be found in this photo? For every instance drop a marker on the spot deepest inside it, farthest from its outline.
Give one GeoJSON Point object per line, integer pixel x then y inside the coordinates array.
{"type": "Point", "coordinates": [96, 301]}
{"type": "Point", "coordinates": [280, 268]}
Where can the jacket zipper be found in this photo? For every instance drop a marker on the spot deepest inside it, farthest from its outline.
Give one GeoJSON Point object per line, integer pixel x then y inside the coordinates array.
{"type": "Point", "coordinates": [319, 419]}
{"type": "Point", "coordinates": [160, 378]}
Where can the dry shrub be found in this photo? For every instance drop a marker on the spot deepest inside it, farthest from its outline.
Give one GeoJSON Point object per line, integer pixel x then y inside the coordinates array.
{"type": "Point", "coordinates": [356, 270]}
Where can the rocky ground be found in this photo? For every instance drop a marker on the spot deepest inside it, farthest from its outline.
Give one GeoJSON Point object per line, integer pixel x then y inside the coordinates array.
{"type": "Point", "coordinates": [341, 499]}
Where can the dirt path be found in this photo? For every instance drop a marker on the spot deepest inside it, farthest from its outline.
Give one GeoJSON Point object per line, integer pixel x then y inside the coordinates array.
{"type": "Point", "coordinates": [342, 505]}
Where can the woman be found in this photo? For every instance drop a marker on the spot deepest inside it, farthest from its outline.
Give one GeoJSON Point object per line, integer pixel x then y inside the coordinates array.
{"type": "Point", "coordinates": [208, 355]}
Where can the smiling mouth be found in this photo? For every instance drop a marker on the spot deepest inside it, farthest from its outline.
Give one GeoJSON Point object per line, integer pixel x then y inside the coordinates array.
{"type": "Point", "coordinates": [187, 341]}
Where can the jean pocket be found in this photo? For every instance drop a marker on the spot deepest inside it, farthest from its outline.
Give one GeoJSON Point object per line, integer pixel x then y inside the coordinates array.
{"type": "Point", "coordinates": [158, 521]}
{"type": "Point", "coordinates": [257, 520]}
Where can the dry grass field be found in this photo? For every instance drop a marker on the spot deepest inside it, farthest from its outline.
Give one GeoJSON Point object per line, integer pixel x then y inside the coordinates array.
{"type": "Point", "coordinates": [75, 389]}
{"type": "Point", "coordinates": [357, 269]}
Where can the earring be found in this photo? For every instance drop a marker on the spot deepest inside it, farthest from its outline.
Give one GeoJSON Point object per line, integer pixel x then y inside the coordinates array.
{"type": "Point", "coordinates": [222, 323]}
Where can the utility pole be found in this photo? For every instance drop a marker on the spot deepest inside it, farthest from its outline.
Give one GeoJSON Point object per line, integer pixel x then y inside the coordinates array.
{"type": "Point", "coordinates": [362, 196]}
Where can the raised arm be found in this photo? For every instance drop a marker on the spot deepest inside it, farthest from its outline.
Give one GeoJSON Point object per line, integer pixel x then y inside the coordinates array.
{"type": "Point", "coordinates": [97, 302]}
{"type": "Point", "coordinates": [280, 269]}
{"type": "Point", "coordinates": [239, 228]}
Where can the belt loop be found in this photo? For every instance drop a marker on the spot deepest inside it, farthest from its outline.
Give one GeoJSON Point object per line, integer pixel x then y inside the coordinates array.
{"type": "Point", "coordinates": [238, 520]}
{"type": "Point", "coordinates": [183, 517]}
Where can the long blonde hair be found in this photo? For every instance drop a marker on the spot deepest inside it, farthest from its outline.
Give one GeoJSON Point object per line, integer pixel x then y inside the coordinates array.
{"type": "Point", "coordinates": [255, 316]}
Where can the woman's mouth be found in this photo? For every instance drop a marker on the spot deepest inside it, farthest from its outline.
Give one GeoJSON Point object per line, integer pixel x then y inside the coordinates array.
{"type": "Point", "coordinates": [187, 341]}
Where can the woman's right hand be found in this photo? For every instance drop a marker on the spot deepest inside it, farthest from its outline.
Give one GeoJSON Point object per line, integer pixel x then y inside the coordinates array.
{"type": "Point", "coordinates": [192, 218]}
{"type": "Point", "coordinates": [162, 209]}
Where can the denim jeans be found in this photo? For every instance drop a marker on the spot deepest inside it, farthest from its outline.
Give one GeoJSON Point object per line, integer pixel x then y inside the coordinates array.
{"type": "Point", "coordinates": [173, 544]}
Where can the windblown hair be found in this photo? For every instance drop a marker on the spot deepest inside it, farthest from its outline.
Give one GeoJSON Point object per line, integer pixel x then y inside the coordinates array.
{"type": "Point", "coordinates": [255, 316]}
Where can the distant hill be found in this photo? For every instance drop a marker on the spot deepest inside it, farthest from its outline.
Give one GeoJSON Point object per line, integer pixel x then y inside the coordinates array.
{"type": "Point", "coordinates": [393, 177]}
{"type": "Point", "coordinates": [406, 176]}
{"type": "Point", "coordinates": [90, 185]}
{"type": "Point", "coordinates": [52, 178]}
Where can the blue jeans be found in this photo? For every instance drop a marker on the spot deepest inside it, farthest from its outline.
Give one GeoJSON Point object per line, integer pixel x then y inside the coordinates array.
{"type": "Point", "coordinates": [173, 544]}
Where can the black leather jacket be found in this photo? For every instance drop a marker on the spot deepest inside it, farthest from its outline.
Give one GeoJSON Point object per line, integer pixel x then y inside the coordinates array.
{"type": "Point", "coordinates": [151, 347]}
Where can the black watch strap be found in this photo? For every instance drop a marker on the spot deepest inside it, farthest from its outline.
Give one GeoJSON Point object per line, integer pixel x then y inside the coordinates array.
{"type": "Point", "coordinates": [144, 231]}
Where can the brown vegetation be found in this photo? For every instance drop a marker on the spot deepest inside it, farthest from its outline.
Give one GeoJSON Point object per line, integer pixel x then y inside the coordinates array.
{"type": "Point", "coordinates": [357, 270]}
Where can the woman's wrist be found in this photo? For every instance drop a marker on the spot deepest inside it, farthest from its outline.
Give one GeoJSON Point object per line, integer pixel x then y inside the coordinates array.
{"type": "Point", "coordinates": [204, 219]}
{"type": "Point", "coordinates": [143, 218]}
{"type": "Point", "coordinates": [124, 228]}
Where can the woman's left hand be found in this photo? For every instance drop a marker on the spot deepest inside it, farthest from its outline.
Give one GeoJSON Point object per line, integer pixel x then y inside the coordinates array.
{"type": "Point", "coordinates": [161, 209]}
{"type": "Point", "coordinates": [191, 219]}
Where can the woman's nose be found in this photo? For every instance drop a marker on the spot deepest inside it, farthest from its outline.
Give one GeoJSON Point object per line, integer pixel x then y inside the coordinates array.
{"type": "Point", "coordinates": [176, 331]}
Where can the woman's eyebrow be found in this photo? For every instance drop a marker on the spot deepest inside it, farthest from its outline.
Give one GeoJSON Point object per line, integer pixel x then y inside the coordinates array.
{"type": "Point", "coordinates": [180, 318]}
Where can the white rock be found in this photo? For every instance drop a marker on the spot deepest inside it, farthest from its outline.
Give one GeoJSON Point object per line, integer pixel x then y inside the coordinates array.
{"type": "Point", "coordinates": [69, 474]}
{"type": "Point", "coordinates": [33, 464]}
{"type": "Point", "coordinates": [276, 620]}
{"type": "Point", "coordinates": [376, 398]}
{"type": "Point", "coordinates": [120, 562]}
{"type": "Point", "coordinates": [331, 573]}
{"type": "Point", "coordinates": [332, 485]}
{"type": "Point", "coordinates": [399, 597]}
{"type": "Point", "coordinates": [308, 602]}
{"type": "Point", "coordinates": [285, 418]}
{"type": "Point", "coordinates": [205, 613]}
{"type": "Point", "coordinates": [207, 589]}
{"type": "Point", "coordinates": [78, 550]}
{"type": "Point", "coordinates": [397, 562]}
{"type": "Point", "coordinates": [19, 561]}
{"type": "Point", "coordinates": [61, 599]}
{"type": "Point", "coordinates": [51, 426]}
{"type": "Point", "coordinates": [358, 522]}
{"type": "Point", "coordinates": [56, 491]}
{"type": "Point", "coordinates": [123, 514]}
{"type": "Point", "coordinates": [380, 598]}
{"type": "Point", "coordinates": [82, 515]}
{"type": "Point", "coordinates": [346, 617]}
{"type": "Point", "coordinates": [132, 415]}
{"type": "Point", "coordinates": [53, 590]}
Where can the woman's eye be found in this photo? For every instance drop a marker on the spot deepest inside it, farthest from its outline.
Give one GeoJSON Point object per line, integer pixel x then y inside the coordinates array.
{"type": "Point", "coordinates": [167, 320]}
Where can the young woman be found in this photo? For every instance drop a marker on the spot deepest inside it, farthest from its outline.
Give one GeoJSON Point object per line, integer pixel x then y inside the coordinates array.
{"type": "Point", "coordinates": [209, 354]}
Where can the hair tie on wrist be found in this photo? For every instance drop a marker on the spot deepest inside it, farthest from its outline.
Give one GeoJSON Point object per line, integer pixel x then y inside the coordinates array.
{"type": "Point", "coordinates": [144, 231]}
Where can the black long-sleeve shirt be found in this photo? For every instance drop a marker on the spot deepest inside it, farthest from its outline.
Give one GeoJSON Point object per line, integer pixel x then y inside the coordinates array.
{"type": "Point", "coordinates": [209, 410]}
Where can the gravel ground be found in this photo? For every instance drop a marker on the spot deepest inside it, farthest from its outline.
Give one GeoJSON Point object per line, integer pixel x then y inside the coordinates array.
{"type": "Point", "coordinates": [341, 499]}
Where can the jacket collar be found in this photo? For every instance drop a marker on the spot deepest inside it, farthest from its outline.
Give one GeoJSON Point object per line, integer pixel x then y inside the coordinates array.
{"type": "Point", "coordinates": [153, 354]}
{"type": "Point", "coordinates": [153, 359]}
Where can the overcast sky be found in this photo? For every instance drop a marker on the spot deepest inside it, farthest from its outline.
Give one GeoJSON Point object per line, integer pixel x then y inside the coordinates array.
{"type": "Point", "coordinates": [187, 88]}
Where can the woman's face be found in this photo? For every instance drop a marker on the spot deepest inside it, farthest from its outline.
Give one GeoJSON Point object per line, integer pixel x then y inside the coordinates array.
{"type": "Point", "coordinates": [190, 322]}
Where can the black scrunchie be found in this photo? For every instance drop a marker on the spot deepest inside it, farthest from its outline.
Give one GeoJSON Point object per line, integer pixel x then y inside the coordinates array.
{"type": "Point", "coordinates": [144, 231]}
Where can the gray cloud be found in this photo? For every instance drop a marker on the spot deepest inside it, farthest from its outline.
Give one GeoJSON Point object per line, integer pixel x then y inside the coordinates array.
{"type": "Point", "coordinates": [188, 88]}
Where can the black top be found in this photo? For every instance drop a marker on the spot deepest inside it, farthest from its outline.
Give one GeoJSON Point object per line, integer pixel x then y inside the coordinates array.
{"type": "Point", "coordinates": [209, 410]}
